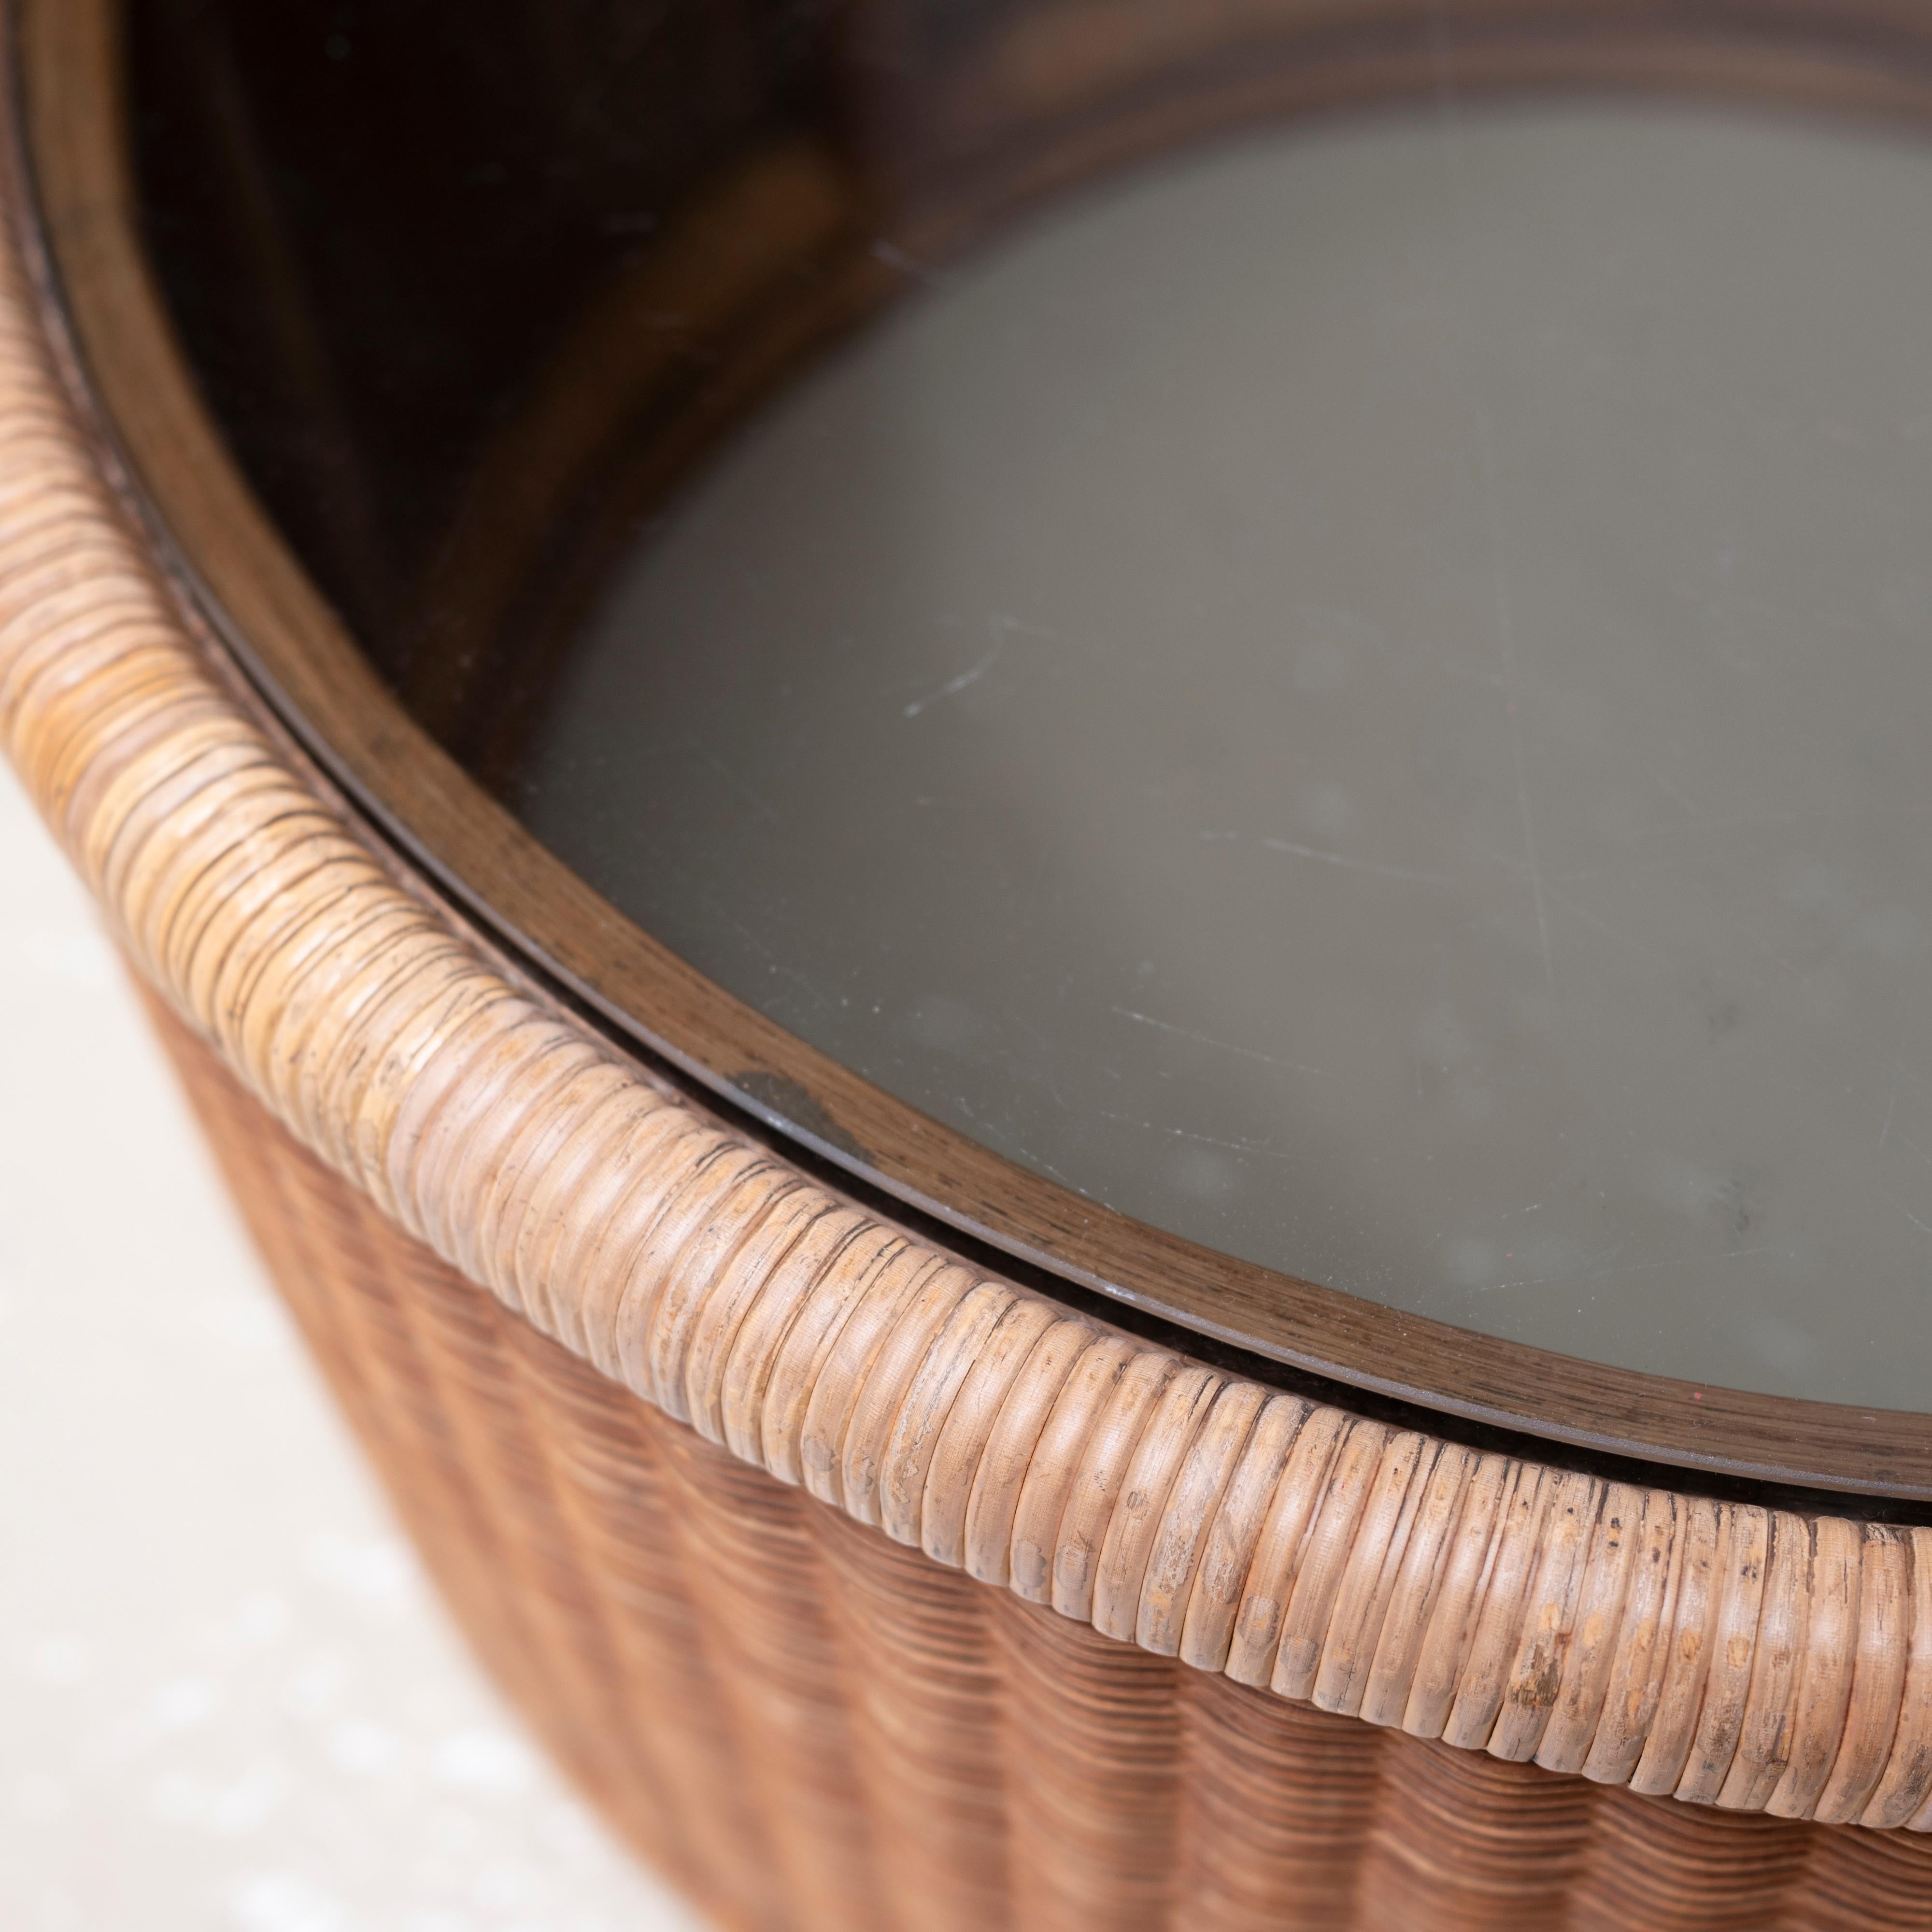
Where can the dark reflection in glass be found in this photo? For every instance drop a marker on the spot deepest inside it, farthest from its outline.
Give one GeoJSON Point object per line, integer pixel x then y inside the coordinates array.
{"type": "Point", "coordinates": [1357, 691]}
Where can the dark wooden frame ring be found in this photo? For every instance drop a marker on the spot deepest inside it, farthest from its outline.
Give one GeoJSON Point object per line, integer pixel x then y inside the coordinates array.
{"type": "Point", "coordinates": [1869, 55]}
{"type": "Point", "coordinates": [457, 1129]}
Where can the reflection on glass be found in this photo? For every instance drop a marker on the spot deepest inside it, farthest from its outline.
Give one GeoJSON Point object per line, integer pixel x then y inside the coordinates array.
{"type": "Point", "coordinates": [1358, 692]}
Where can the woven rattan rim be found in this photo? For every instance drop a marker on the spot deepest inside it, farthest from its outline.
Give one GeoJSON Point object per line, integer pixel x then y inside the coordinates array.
{"type": "Point", "coordinates": [1723, 1652]}
{"type": "Point", "coordinates": [73, 78]}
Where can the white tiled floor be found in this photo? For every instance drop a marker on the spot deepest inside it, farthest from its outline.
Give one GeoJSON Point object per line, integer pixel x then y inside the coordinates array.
{"type": "Point", "coordinates": [227, 1702]}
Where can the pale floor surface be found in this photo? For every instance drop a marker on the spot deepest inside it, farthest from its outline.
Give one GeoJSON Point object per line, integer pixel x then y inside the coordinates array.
{"type": "Point", "coordinates": [228, 1701]}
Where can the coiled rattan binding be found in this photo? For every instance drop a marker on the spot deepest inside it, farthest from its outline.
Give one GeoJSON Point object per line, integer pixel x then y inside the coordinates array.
{"type": "Point", "coordinates": [863, 1588]}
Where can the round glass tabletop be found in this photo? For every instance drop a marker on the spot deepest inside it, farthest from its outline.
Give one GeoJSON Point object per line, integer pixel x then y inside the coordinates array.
{"type": "Point", "coordinates": [1356, 690]}
{"type": "Point", "coordinates": [1363, 697]}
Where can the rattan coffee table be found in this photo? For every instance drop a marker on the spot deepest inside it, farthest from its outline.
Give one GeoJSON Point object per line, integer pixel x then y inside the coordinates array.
{"type": "Point", "coordinates": [1053, 877]}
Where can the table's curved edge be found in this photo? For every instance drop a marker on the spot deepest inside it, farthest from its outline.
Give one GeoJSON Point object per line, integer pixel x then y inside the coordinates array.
{"type": "Point", "coordinates": [292, 642]}
{"type": "Point", "coordinates": [1723, 1652]}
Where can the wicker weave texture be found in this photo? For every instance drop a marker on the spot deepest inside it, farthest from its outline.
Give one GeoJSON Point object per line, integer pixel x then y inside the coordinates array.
{"type": "Point", "coordinates": [1730, 1655]}
{"type": "Point", "coordinates": [803, 1723]}
{"type": "Point", "coordinates": [1734, 1654]}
